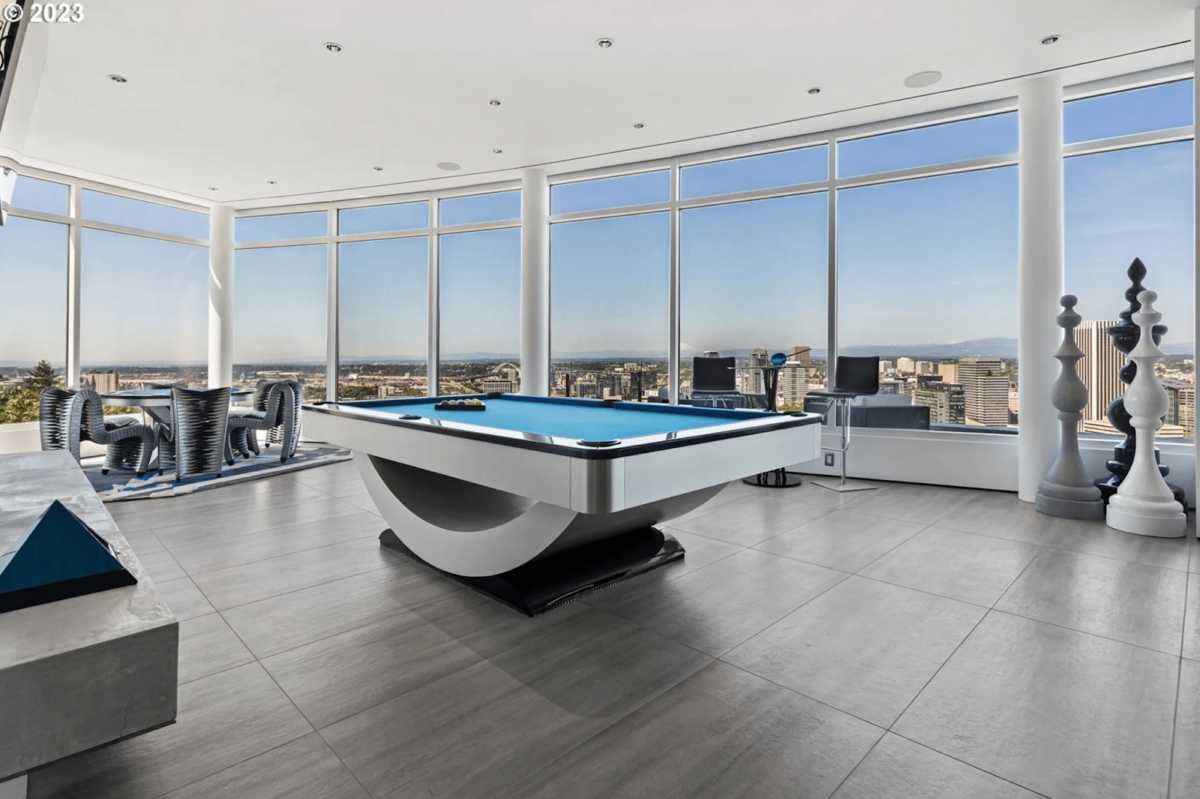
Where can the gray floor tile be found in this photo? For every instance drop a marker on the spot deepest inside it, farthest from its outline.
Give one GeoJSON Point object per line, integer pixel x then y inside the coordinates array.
{"type": "Point", "coordinates": [481, 729]}
{"type": "Point", "coordinates": [1002, 515]}
{"type": "Point", "coordinates": [1097, 538]}
{"type": "Point", "coordinates": [1191, 626]}
{"type": "Point", "coordinates": [300, 617]}
{"type": "Point", "coordinates": [184, 598]}
{"type": "Point", "coordinates": [1063, 713]}
{"type": "Point", "coordinates": [735, 492]}
{"type": "Point", "coordinates": [209, 556]}
{"type": "Point", "coordinates": [161, 566]}
{"type": "Point", "coordinates": [214, 528]}
{"type": "Point", "coordinates": [864, 647]}
{"type": "Point", "coordinates": [1194, 550]}
{"type": "Point", "coordinates": [241, 585]}
{"type": "Point", "coordinates": [897, 768]}
{"type": "Point", "coordinates": [143, 542]}
{"type": "Point", "coordinates": [719, 606]}
{"type": "Point", "coordinates": [911, 503]}
{"type": "Point", "coordinates": [346, 488]}
{"type": "Point", "coordinates": [965, 566]}
{"type": "Point", "coordinates": [337, 677]}
{"type": "Point", "coordinates": [306, 767]}
{"type": "Point", "coordinates": [810, 494]}
{"type": "Point", "coordinates": [1128, 602]}
{"type": "Point", "coordinates": [223, 720]}
{"type": "Point", "coordinates": [1185, 770]}
{"type": "Point", "coordinates": [220, 503]}
{"type": "Point", "coordinates": [842, 540]}
{"type": "Point", "coordinates": [721, 734]}
{"type": "Point", "coordinates": [327, 475]}
{"type": "Point", "coordinates": [752, 522]}
{"type": "Point", "coordinates": [208, 646]}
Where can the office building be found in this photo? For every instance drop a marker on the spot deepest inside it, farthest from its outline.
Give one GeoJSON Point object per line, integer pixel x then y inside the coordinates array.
{"type": "Point", "coordinates": [1099, 367]}
{"type": "Point", "coordinates": [105, 381]}
{"type": "Point", "coordinates": [946, 402]}
{"type": "Point", "coordinates": [985, 388]}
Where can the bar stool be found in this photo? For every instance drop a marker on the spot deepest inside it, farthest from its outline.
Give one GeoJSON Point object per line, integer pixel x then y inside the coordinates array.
{"type": "Point", "coordinates": [854, 377]}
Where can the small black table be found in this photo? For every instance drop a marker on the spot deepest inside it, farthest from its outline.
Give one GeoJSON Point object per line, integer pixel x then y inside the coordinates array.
{"type": "Point", "coordinates": [777, 478]}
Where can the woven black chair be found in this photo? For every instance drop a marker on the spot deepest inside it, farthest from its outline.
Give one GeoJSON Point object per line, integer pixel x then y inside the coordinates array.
{"type": "Point", "coordinates": [243, 423]}
{"type": "Point", "coordinates": [57, 432]}
{"type": "Point", "coordinates": [197, 441]}
{"type": "Point", "coordinates": [126, 441]}
{"type": "Point", "coordinates": [287, 434]}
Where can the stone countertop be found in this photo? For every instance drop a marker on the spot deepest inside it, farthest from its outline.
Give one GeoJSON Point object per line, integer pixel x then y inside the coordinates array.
{"type": "Point", "coordinates": [28, 483]}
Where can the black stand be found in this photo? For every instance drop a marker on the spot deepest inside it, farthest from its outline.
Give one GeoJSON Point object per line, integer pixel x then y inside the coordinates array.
{"type": "Point", "coordinates": [546, 583]}
{"type": "Point", "coordinates": [778, 478]}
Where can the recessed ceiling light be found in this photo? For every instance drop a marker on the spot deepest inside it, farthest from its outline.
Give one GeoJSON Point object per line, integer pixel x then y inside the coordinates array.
{"type": "Point", "coordinates": [604, 43]}
{"type": "Point", "coordinates": [493, 102]}
{"type": "Point", "coordinates": [333, 47]}
{"type": "Point", "coordinates": [272, 182]}
{"type": "Point", "coordinates": [213, 188]}
{"type": "Point", "coordinates": [1050, 40]}
{"type": "Point", "coordinates": [638, 125]}
{"type": "Point", "coordinates": [449, 166]}
{"type": "Point", "coordinates": [117, 79]}
{"type": "Point", "coordinates": [815, 90]}
{"type": "Point", "coordinates": [377, 168]}
{"type": "Point", "coordinates": [922, 79]}
{"type": "Point", "coordinates": [497, 150]}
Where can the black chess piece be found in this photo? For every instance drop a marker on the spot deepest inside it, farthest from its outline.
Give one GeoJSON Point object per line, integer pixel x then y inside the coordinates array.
{"type": "Point", "coordinates": [1125, 335]}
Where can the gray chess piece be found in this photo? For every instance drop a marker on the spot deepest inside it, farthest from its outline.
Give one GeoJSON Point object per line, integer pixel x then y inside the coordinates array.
{"type": "Point", "coordinates": [1067, 490]}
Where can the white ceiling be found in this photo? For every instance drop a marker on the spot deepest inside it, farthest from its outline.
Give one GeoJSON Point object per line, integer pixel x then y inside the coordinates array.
{"type": "Point", "coordinates": [234, 93]}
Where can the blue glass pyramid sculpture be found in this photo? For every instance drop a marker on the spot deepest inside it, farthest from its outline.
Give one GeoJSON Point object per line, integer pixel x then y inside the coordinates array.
{"type": "Point", "coordinates": [60, 557]}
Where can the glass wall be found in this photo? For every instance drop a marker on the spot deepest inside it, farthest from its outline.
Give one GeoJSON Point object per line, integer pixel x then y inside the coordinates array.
{"type": "Point", "coordinates": [281, 227]}
{"type": "Point", "coordinates": [609, 300]}
{"type": "Point", "coordinates": [927, 280]}
{"type": "Point", "coordinates": [143, 311]}
{"type": "Point", "coordinates": [33, 313]}
{"type": "Point", "coordinates": [479, 295]}
{"type": "Point", "coordinates": [126, 212]}
{"type": "Point", "coordinates": [1126, 204]}
{"type": "Point", "coordinates": [279, 316]}
{"type": "Point", "coordinates": [753, 282]}
{"type": "Point", "coordinates": [383, 325]}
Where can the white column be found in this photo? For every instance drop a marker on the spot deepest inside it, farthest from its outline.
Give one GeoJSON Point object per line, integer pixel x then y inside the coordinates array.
{"type": "Point", "coordinates": [220, 296]}
{"type": "Point", "coordinates": [1040, 282]}
{"type": "Point", "coordinates": [1195, 251]}
{"type": "Point", "coordinates": [535, 283]}
{"type": "Point", "coordinates": [74, 287]}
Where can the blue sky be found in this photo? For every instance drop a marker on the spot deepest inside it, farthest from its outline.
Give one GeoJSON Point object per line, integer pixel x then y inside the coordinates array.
{"type": "Point", "coordinates": [925, 261]}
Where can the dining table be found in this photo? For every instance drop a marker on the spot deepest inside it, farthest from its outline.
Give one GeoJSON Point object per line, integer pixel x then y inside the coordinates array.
{"type": "Point", "coordinates": [156, 402]}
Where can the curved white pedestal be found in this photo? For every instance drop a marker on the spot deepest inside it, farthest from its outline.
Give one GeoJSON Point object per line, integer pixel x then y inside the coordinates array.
{"type": "Point", "coordinates": [470, 530]}
{"type": "Point", "coordinates": [1163, 519]}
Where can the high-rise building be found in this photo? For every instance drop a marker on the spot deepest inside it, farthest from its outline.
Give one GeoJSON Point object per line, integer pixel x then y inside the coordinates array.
{"type": "Point", "coordinates": [948, 372]}
{"type": "Point", "coordinates": [986, 390]}
{"type": "Point", "coordinates": [104, 381]}
{"type": "Point", "coordinates": [1181, 406]}
{"type": "Point", "coordinates": [926, 368]}
{"type": "Point", "coordinates": [906, 366]}
{"type": "Point", "coordinates": [885, 367]}
{"type": "Point", "coordinates": [752, 378]}
{"type": "Point", "coordinates": [489, 384]}
{"type": "Point", "coordinates": [946, 402]}
{"type": "Point", "coordinates": [587, 388]}
{"type": "Point", "coordinates": [891, 387]}
{"type": "Point", "coordinates": [799, 353]}
{"type": "Point", "coordinates": [793, 385]}
{"type": "Point", "coordinates": [1098, 368]}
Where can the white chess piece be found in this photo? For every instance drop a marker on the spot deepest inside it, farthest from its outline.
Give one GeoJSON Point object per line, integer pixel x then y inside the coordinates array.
{"type": "Point", "coordinates": [1143, 503]}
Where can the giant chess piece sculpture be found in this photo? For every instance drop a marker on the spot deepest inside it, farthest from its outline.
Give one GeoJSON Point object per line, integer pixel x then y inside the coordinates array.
{"type": "Point", "coordinates": [1144, 503]}
{"type": "Point", "coordinates": [1067, 490]}
{"type": "Point", "coordinates": [1125, 335]}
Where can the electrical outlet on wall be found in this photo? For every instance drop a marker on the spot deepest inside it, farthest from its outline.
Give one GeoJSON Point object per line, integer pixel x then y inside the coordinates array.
{"type": "Point", "coordinates": [828, 458]}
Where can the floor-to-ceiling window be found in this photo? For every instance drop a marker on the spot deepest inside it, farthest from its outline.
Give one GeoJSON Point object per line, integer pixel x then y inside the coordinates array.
{"type": "Point", "coordinates": [609, 288]}
{"type": "Point", "coordinates": [1128, 194]}
{"type": "Point", "coordinates": [280, 302]}
{"type": "Point", "coordinates": [754, 273]}
{"type": "Point", "coordinates": [927, 269]}
{"type": "Point", "coordinates": [33, 304]}
{"type": "Point", "coordinates": [383, 318]}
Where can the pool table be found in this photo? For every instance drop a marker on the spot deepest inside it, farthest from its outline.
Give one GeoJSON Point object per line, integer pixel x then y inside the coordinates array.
{"type": "Point", "coordinates": [536, 500]}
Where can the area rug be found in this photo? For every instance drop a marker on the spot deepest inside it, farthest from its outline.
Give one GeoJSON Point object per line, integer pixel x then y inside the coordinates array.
{"type": "Point", "coordinates": [117, 486]}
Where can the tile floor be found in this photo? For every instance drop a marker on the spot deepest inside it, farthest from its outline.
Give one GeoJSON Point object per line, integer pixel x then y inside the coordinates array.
{"type": "Point", "coordinates": [913, 642]}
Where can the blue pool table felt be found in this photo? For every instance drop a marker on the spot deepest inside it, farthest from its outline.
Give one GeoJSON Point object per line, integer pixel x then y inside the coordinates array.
{"type": "Point", "coordinates": [571, 419]}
